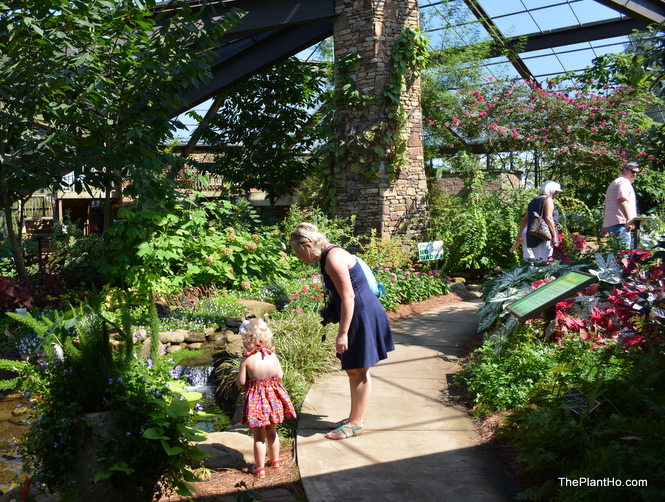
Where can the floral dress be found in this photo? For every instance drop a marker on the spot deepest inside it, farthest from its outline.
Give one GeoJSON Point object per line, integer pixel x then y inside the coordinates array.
{"type": "Point", "coordinates": [266, 400]}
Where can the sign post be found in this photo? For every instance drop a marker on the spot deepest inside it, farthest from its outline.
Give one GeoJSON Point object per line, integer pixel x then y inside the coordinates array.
{"type": "Point", "coordinates": [635, 222]}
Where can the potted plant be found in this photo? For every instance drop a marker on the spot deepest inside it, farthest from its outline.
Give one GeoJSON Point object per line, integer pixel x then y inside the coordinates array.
{"type": "Point", "coordinates": [106, 425]}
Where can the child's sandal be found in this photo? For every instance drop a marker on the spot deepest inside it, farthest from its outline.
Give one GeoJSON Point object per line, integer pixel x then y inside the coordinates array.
{"type": "Point", "coordinates": [277, 464]}
{"type": "Point", "coordinates": [259, 472]}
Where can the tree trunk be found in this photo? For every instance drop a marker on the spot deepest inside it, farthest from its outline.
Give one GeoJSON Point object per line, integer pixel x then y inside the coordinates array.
{"type": "Point", "coordinates": [14, 239]}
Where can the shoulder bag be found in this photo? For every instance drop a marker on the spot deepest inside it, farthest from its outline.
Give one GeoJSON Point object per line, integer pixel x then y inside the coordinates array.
{"type": "Point", "coordinates": [538, 227]}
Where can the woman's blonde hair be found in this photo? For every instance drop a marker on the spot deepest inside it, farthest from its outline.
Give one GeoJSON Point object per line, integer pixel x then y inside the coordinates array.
{"type": "Point", "coordinates": [306, 232]}
{"type": "Point", "coordinates": [255, 331]}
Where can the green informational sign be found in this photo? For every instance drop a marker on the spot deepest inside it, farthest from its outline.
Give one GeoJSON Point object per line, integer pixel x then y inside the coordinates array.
{"type": "Point", "coordinates": [428, 251]}
{"type": "Point", "coordinates": [550, 294]}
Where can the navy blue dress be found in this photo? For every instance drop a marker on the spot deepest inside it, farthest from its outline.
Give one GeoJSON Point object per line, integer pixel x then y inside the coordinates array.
{"type": "Point", "coordinates": [369, 336]}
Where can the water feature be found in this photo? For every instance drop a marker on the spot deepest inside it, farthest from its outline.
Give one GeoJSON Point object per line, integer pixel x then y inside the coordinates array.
{"type": "Point", "coordinates": [13, 408]}
{"type": "Point", "coordinates": [12, 428]}
{"type": "Point", "coordinates": [200, 375]}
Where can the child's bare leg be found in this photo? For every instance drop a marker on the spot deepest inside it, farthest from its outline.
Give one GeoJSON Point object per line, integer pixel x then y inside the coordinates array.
{"type": "Point", "coordinates": [273, 441]}
{"type": "Point", "coordinates": [259, 434]}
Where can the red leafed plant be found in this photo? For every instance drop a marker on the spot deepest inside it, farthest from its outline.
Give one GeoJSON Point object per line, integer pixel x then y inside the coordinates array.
{"type": "Point", "coordinates": [570, 247]}
{"type": "Point", "coordinates": [14, 295]}
{"type": "Point", "coordinates": [633, 312]}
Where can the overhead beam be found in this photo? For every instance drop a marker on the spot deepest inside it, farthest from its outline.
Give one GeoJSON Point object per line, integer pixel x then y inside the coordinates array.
{"type": "Point", "coordinates": [261, 15]}
{"type": "Point", "coordinates": [269, 32]}
{"type": "Point", "coordinates": [645, 11]}
{"type": "Point", "coordinates": [574, 35]}
{"type": "Point", "coordinates": [499, 39]}
{"type": "Point", "coordinates": [247, 57]}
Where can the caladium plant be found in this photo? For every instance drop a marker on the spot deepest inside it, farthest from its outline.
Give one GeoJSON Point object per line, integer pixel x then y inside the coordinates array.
{"type": "Point", "coordinates": [627, 304]}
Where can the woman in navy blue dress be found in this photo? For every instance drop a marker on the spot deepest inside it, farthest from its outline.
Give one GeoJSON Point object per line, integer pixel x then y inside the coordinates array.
{"type": "Point", "coordinates": [363, 336]}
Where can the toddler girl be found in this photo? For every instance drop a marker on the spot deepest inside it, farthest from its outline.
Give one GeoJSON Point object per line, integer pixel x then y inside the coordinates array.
{"type": "Point", "coordinates": [266, 400]}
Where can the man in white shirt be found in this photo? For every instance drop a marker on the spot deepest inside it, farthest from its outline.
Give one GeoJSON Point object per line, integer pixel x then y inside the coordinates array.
{"type": "Point", "coordinates": [621, 204]}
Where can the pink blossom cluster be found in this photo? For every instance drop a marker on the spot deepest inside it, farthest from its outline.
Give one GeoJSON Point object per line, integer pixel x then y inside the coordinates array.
{"type": "Point", "coordinates": [569, 127]}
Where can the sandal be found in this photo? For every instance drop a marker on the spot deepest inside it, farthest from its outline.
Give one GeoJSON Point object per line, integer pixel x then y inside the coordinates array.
{"type": "Point", "coordinates": [355, 431]}
{"type": "Point", "coordinates": [338, 424]}
{"type": "Point", "coordinates": [277, 464]}
{"type": "Point", "coordinates": [259, 472]}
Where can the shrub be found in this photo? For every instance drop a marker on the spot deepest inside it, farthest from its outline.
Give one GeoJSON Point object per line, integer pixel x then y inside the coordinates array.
{"type": "Point", "coordinates": [504, 380]}
{"type": "Point", "coordinates": [478, 227]}
{"type": "Point", "coordinates": [74, 257]}
{"type": "Point", "coordinates": [305, 295]}
{"type": "Point", "coordinates": [165, 249]}
{"type": "Point", "coordinates": [618, 435]}
{"type": "Point", "coordinates": [381, 253]}
{"type": "Point", "coordinates": [607, 348]}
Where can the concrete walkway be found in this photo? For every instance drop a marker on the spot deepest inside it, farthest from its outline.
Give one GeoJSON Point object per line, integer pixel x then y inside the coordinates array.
{"type": "Point", "coordinates": [416, 445]}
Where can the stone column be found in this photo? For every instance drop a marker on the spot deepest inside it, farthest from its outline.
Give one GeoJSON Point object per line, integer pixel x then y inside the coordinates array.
{"type": "Point", "coordinates": [397, 206]}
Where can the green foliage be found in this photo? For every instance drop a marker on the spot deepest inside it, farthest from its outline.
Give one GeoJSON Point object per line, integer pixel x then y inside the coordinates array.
{"type": "Point", "coordinates": [10, 384]}
{"type": "Point", "coordinates": [207, 312]}
{"type": "Point", "coordinates": [244, 494]}
{"type": "Point", "coordinates": [576, 216]}
{"type": "Point", "coordinates": [167, 248]}
{"type": "Point", "coordinates": [477, 228]}
{"type": "Point", "coordinates": [337, 230]}
{"type": "Point", "coordinates": [74, 257]}
{"type": "Point", "coordinates": [385, 253]}
{"type": "Point", "coordinates": [373, 149]}
{"type": "Point", "coordinates": [653, 49]}
{"type": "Point", "coordinates": [619, 440]}
{"type": "Point", "coordinates": [89, 76]}
{"type": "Point", "coordinates": [605, 345]}
{"type": "Point", "coordinates": [150, 437]}
{"type": "Point", "coordinates": [270, 116]}
{"type": "Point", "coordinates": [451, 66]}
{"type": "Point", "coordinates": [508, 285]}
{"type": "Point", "coordinates": [302, 354]}
{"type": "Point", "coordinates": [409, 286]}
{"type": "Point", "coordinates": [504, 380]}
{"type": "Point", "coordinates": [565, 127]}
{"type": "Point", "coordinates": [305, 295]}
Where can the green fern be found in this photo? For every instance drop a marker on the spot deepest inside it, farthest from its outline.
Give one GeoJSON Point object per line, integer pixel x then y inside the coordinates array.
{"type": "Point", "coordinates": [14, 367]}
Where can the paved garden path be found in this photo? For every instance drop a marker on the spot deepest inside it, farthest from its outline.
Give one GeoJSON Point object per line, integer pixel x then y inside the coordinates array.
{"type": "Point", "coordinates": [417, 445]}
